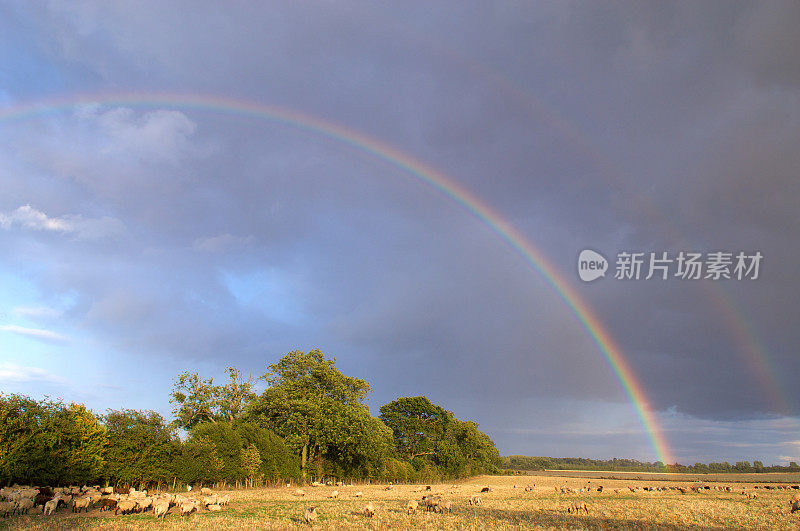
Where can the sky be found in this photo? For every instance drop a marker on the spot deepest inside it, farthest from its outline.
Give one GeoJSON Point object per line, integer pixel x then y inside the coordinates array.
{"type": "Point", "coordinates": [407, 187]}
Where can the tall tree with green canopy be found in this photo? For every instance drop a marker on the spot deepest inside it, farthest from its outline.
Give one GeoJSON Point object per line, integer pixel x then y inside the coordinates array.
{"type": "Point", "coordinates": [320, 412]}
{"type": "Point", "coordinates": [417, 425]}
{"type": "Point", "coordinates": [423, 429]}
{"type": "Point", "coordinates": [197, 400]}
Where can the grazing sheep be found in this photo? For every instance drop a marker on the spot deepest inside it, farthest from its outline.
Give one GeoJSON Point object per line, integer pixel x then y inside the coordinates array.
{"type": "Point", "coordinates": [528, 488]}
{"type": "Point", "coordinates": [358, 494]}
{"type": "Point", "coordinates": [6, 508]}
{"type": "Point", "coordinates": [224, 500]}
{"type": "Point", "coordinates": [81, 503]}
{"type": "Point", "coordinates": [577, 507]}
{"type": "Point", "coordinates": [107, 504]}
{"type": "Point", "coordinates": [23, 505]}
{"type": "Point", "coordinates": [188, 507]}
{"type": "Point", "coordinates": [299, 492]}
{"type": "Point", "coordinates": [485, 489]}
{"type": "Point", "coordinates": [214, 507]}
{"type": "Point", "coordinates": [125, 507]}
{"type": "Point", "coordinates": [411, 506]}
{"type": "Point", "coordinates": [161, 508]}
{"type": "Point", "coordinates": [51, 506]}
{"type": "Point", "coordinates": [369, 510]}
{"type": "Point", "coordinates": [205, 491]}
{"type": "Point", "coordinates": [210, 500]}
{"type": "Point", "coordinates": [310, 515]}
{"type": "Point", "coordinates": [475, 500]}
{"type": "Point", "coordinates": [142, 504]}
{"type": "Point", "coordinates": [444, 506]}
{"type": "Point", "coordinates": [41, 499]}
{"type": "Point", "coordinates": [431, 502]}
{"type": "Point", "coordinates": [334, 494]}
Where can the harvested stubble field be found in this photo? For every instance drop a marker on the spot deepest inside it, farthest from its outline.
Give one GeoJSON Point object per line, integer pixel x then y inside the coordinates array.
{"type": "Point", "coordinates": [507, 506]}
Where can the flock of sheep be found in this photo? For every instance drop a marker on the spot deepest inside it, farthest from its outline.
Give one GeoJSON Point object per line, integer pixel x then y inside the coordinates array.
{"type": "Point", "coordinates": [429, 502]}
{"type": "Point", "coordinates": [22, 500]}
{"type": "Point", "coordinates": [45, 500]}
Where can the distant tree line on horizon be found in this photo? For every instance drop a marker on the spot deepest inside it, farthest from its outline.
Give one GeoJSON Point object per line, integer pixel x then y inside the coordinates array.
{"type": "Point", "coordinates": [524, 463]}
{"type": "Point", "coordinates": [311, 422]}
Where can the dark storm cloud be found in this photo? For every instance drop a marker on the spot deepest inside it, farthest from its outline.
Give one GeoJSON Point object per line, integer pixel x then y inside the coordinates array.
{"type": "Point", "coordinates": [215, 238]}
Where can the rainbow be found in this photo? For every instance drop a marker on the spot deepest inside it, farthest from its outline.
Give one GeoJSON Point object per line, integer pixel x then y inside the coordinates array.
{"type": "Point", "coordinates": [423, 173]}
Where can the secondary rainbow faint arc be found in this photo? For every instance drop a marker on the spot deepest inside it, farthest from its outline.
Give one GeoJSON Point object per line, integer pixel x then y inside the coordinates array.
{"type": "Point", "coordinates": [422, 172]}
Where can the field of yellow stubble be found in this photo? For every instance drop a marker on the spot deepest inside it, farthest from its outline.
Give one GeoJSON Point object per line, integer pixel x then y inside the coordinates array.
{"type": "Point", "coordinates": [507, 506]}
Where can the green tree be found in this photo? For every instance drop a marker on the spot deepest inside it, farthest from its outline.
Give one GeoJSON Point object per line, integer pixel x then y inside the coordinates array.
{"type": "Point", "coordinates": [417, 425]}
{"type": "Point", "coordinates": [197, 400]}
{"type": "Point", "coordinates": [424, 431]}
{"type": "Point", "coordinates": [251, 463]}
{"type": "Point", "coordinates": [142, 448]}
{"type": "Point", "coordinates": [47, 442]}
{"type": "Point", "coordinates": [320, 412]}
{"type": "Point", "coordinates": [278, 461]}
{"type": "Point", "coordinates": [227, 444]}
{"type": "Point", "coordinates": [199, 461]}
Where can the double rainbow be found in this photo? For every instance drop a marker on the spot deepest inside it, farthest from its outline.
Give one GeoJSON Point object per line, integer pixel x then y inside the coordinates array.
{"type": "Point", "coordinates": [423, 173]}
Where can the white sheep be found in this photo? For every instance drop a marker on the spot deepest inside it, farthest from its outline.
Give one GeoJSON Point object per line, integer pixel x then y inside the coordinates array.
{"type": "Point", "coordinates": [210, 500]}
{"type": "Point", "coordinates": [23, 505]}
{"type": "Point", "coordinates": [142, 504]}
{"type": "Point", "coordinates": [188, 507]}
{"type": "Point", "coordinates": [160, 508]}
{"type": "Point", "coordinates": [81, 503]}
{"type": "Point", "coordinates": [51, 506]}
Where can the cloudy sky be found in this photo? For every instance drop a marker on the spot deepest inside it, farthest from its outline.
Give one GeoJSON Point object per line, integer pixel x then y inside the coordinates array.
{"type": "Point", "coordinates": [146, 229]}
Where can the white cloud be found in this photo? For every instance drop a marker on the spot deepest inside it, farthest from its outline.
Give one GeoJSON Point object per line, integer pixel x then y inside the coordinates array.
{"type": "Point", "coordinates": [35, 333]}
{"type": "Point", "coordinates": [11, 373]}
{"type": "Point", "coordinates": [30, 218]}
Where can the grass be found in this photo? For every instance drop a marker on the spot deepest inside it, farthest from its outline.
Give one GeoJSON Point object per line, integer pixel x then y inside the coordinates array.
{"type": "Point", "coordinates": [506, 506]}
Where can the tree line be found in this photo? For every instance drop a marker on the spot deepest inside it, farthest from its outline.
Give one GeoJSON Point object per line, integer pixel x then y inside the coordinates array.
{"type": "Point", "coordinates": [522, 462]}
{"type": "Point", "coordinates": [311, 422]}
